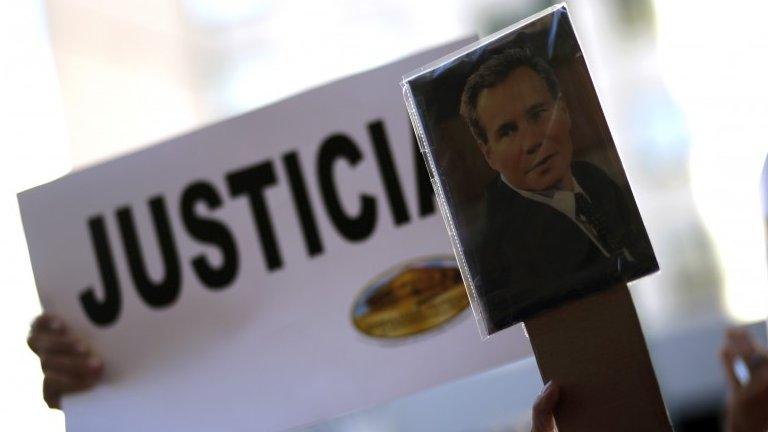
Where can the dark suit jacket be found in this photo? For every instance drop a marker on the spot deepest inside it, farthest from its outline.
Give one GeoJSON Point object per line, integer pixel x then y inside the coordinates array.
{"type": "Point", "coordinates": [531, 256]}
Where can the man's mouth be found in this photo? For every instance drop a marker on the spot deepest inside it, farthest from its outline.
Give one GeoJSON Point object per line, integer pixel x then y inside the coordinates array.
{"type": "Point", "coordinates": [541, 162]}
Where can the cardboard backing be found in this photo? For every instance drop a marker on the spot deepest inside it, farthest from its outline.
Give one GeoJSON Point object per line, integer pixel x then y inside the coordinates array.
{"type": "Point", "coordinates": [595, 349]}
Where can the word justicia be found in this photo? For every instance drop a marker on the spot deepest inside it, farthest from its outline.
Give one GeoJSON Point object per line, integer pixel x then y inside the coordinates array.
{"type": "Point", "coordinates": [200, 201]}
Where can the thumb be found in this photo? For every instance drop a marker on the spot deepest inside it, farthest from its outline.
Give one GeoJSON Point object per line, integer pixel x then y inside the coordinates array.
{"type": "Point", "coordinates": [543, 419]}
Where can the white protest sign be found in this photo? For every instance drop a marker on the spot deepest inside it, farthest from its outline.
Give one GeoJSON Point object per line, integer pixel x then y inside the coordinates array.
{"type": "Point", "coordinates": [222, 274]}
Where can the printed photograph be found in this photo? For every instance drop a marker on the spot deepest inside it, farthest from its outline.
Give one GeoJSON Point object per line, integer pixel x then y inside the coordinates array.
{"type": "Point", "coordinates": [417, 296]}
{"type": "Point", "coordinates": [531, 178]}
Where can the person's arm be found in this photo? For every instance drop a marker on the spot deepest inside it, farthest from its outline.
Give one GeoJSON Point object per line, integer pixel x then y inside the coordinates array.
{"type": "Point", "coordinates": [69, 365]}
{"type": "Point", "coordinates": [747, 402]}
{"type": "Point", "coordinates": [542, 417]}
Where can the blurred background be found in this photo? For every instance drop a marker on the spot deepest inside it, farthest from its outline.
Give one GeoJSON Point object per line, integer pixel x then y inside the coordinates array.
{"type": "Point", "coordinates": [682, 85]}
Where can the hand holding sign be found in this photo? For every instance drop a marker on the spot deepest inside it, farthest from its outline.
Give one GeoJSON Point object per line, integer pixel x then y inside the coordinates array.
{"type": "Point", "coordinates": [542, 417]}
{"type": "Point", "coordinates": [747, 405]}
{"type": "Point", "coordinates": [68, 363]}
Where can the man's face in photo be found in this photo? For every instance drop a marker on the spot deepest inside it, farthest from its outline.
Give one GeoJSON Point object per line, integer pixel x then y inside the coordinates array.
{"type": "Point", "coordinates": [528, 132]}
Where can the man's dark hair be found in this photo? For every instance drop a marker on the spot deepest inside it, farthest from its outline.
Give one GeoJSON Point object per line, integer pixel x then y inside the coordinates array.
{"type": "Point", "coordinates": [492, 72]}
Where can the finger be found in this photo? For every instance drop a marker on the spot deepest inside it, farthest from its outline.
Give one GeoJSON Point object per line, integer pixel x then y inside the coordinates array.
{"type": "Point", "coordinates": [741, 342]}
{"type": "Point", "coordinates": [55, 385]}
{"type": "Point", "coordinates": [56, 344]}
{"type": "Point", "coordinates": [727, 358]}
{"type": "Point", "coordinates": [543, 419]}
{"type": "Point", "coordinates": [72, 365]}
{"type": "Point", "coordinates": [759, 366]}
{"type": "Point", "coordinates": [48, 322]}
{"type": "Point", "coordinates": [758, 384]}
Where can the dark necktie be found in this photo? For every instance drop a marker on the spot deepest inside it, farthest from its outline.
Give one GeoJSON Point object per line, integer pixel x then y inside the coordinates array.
{"type": "Point", "coordinates": [597, 220]}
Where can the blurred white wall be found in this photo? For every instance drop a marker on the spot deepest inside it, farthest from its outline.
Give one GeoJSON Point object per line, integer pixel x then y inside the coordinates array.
{"type": "Point", "coordinates": [34, 150]}
{"type": "Point", "coordinates": [715, 62]}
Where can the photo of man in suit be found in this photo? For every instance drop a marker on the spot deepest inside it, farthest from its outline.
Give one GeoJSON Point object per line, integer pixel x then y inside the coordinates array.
{"type": "Point", "coordinates": [554, 228]}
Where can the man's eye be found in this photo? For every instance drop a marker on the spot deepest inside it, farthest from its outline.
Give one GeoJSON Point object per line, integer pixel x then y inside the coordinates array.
{"type": "Point", "coordinates": [507, 130]}
{"type": "Point", "coordinates": [538, 114]}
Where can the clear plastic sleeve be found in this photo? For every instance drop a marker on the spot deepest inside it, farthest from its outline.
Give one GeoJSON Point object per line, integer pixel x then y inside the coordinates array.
{"type": "Point", "coordinates": [530, 185]}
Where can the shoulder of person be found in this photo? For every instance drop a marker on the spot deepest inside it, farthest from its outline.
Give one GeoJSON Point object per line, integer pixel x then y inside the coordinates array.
{"type": "Point", "coordinates": [591, 176]}
{"type": "Point", "coordinates": [598, 184]}
{"type": "Point", "coordinates": [587, 170]}
{"type": "Point", "coordinates": [499, 195]}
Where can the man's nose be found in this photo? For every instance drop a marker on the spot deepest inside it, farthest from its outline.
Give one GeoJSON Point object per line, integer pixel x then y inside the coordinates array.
{"type": "Point", "coordinates": [532, 146]}
{"type": "Point", "coordinates": [533, 137]}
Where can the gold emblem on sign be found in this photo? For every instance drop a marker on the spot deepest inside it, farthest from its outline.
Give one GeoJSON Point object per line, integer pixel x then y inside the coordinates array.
{"type": "Point", "coordinates": [411, 298]}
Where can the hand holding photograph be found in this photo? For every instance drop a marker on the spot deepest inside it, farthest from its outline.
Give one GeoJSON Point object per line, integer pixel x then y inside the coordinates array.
{"type": "Point", "coordinates": [527, 174]}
